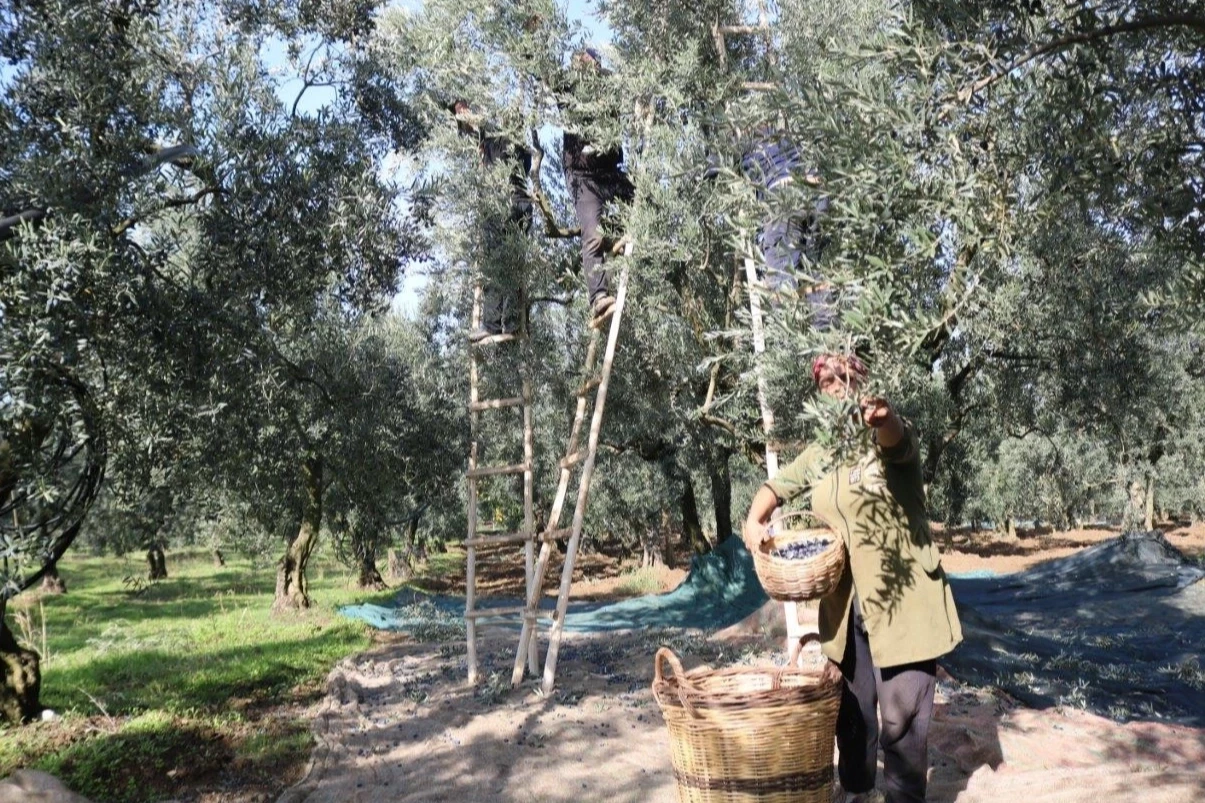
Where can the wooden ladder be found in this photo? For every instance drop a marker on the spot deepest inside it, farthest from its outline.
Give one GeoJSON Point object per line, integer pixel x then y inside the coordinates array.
{"type": "Point", "coordinates": [575, 455]}
{"type": "Point", "coordinates": [488, 537]}
{"type": "Point", "coordinates": [765, 30]}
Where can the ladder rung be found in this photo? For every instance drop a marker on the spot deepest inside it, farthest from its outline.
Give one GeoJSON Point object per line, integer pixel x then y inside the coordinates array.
{"type": "Point", "coordinates": [495, 404]}
{"type": "Point", "coordinates": [589, 385]}
{"type": "Point", "coordinates": [493, 340]}
{"type": "Point", "coordinates": [504, 538]}
{"type": "Point", "coordinates": [480, 612]}
{"type": "Point", "coordinates": [736, 30]}
{"type": "Point", "coordinates": [570, 460]}
{"type": "Point", "coordinates": [493, 471]}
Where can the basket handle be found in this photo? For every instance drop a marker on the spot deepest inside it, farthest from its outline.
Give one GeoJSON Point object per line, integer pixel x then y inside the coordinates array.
{"type": "Point", "coordinates": [666, 655]}
{"type": "Point", "coordinates": [793, 658]}
{"type": "Point", "coordinates": [787, 514]}
{"type": "Point", "coordinates": [796, 655]}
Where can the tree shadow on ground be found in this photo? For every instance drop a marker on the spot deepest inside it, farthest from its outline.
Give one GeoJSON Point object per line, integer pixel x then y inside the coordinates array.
{"type": "Point", "coordinates": [403, 725]}
{"type": "Point", "coordinates": [501, 573]}
{"type": "Point", "coordinates": [995, 548]}
{"type": "Point", "coordinates": [185, 680]}
{"type": "Point", "coordinates": [1101, 632]}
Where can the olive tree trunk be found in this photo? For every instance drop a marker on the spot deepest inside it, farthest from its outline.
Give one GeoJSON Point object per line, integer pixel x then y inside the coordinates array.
{"type": "Point", "coordinates": [370, 578]}
{"type": "Point", "coordinates": [1148, 520]}
{"type": "Point", "coordinates": [52, 581]}
{"type": "Point", "coordinates": [292, 588]}
{"type": "Point", "coordinates": [398, 567]}
{"type": "Point", "coordinates": [156, 564]}
{"type": "Point", "coordinates": [20, 678]}
{"type": "Point", "coordinates": [654, 540]}
{"type": "Point", "coordinates": [721, 493]}
{"type": "Point", "coordinates": [692, 527]}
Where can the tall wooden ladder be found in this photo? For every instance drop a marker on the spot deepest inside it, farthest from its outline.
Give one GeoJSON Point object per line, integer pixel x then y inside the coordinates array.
{"type": "Point", "coordinates": [488, 536]}
{"type": "Point", "coordinates": [577, 455]}
{"type": "Point", "coordinates": [763, 28]}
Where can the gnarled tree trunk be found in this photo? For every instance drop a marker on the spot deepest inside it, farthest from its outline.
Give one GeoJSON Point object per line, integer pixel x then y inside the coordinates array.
{"type": "Point", "coordinates": [20, 678]}
{"type": "Point", "coordinates": [721, 493]}
{"type": "Point", "coordinates": [1148, 520]}
{"type": "Point", "coordinates": [692, 528]}
{"type": "Point", "coordinates": [52, 581]}
{"type": "Point", "coordinates": [652, 543]}
{"type": "Point", "coordinates": [156, 564]}
{"type": "Point", "coordinates": [370, 578]}
{"type": "Point", "coordinates": [398, 568]}
{"type": "Point", "coordinates": [292, 588]}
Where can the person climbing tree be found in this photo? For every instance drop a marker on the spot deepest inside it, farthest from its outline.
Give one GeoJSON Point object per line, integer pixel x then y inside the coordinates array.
{"type": "Point", "coordinates": [498, 314]}
{"type": "Point", "coordinates": [892, 614]}
{"type": "Point", "coordinates": [594, 177]}
{"type": "Point", "coordinates": [771, 160]}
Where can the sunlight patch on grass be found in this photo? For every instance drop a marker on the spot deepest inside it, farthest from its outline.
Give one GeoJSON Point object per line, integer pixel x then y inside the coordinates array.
{"type": "Point", "coordinates": [174, 684]}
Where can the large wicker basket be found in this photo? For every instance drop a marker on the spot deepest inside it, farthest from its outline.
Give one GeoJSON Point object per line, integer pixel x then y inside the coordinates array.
{"type": "Point", "coordinates": [799, 580]}
{"type": "Point", "coordinates": [746, 735]}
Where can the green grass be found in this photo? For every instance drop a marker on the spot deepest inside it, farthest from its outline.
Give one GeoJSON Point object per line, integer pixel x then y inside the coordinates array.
{"type": "Point", "coordinates": [638, 583]}
{"type": "Point", "coordinates": [179, 679]}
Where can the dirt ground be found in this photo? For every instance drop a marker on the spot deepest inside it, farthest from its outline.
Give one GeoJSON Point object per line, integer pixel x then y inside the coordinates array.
{"type": "Point", "coordinates": [400, 723]}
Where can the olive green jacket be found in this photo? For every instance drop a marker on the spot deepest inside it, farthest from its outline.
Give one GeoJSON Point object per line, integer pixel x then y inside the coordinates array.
{"type": "Point", "coordinates": [876, 504]}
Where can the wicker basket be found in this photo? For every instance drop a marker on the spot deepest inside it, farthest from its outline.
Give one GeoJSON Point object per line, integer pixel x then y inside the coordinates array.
{"type": "Point", "coordinates": [742, 734]}
{"type": "Point", "coordinates": [799, 580]}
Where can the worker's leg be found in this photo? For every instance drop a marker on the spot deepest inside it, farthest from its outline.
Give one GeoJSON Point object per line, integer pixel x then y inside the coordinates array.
{"type": "Point", "coordinates": [588, 203]}
{"type": "Point", "coordinates": [781, 242]}
{"type": "Point", "coordinates": [857, 721]}
{"type": "Point", "coordinates": [906, 704]}
{"type": "Point", "coordinates": [499, 311]}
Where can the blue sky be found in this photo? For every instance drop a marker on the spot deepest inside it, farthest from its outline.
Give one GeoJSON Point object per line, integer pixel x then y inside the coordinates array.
{"type": "Point", "coordinates": [414, 281]}
{"type": "Point", "coordinates": [598, 33]}
{"type": "Point", "coordinates": [289, 84]}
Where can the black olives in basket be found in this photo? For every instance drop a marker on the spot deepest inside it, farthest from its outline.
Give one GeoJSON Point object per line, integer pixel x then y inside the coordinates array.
{"type": "Point", "coordinates": [801, 550]}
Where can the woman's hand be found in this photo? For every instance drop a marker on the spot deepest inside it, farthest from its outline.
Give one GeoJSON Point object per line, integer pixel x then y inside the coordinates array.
{"type": "Point", "coordinates": [877, 412]}
{"type": "Point", "coordinates": [879, 415]}
{"type": "Point", "coordinates": [755, 532]}
{"type": "Point", "coordinates": [831, 671]}
{"type": "Point", "coordinates": [760, 510]}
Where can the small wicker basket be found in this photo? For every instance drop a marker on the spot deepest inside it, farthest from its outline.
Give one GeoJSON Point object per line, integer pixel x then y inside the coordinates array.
{"type": "Point", "coordinates": [799, 580]}
{"type": "Point", "coordinates": [749, 735]}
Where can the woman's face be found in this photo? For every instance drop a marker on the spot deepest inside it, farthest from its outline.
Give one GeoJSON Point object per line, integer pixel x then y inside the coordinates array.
{"type": "Point", "coordinates": [838, 378]}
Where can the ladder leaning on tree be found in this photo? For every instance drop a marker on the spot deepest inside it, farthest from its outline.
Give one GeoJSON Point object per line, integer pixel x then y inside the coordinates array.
{"type": "Point", "coordinates": [578, 455]}
{"type": "Point", "coordinates": [479, 536]}
{"type": "Point", "coordinates": [765, 30]}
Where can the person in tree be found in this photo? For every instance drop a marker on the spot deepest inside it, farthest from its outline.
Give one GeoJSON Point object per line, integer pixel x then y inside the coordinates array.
{"type": "Point", "coordinates": [892, 614]}
{"type": "Point", "coordinates": [594, 176]}
{"type": "Point", "coordinates": [499, 305]}
{"type": "Point", "coordinates": [770, 160]}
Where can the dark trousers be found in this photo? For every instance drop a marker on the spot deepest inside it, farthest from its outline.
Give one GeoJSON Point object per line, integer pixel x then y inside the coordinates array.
{"type": "Point", "coordinates": [904, 698]}
{"type": "Point", "coordinates": [499, 303]}
{"type": "Point", "coordinates": [591, 191]}
{"type": "Point", "coordinates": [784, 242]}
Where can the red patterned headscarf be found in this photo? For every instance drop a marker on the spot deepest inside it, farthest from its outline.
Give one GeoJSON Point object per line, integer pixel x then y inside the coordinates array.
{"type": "Point", "coordinates": [851, 360]}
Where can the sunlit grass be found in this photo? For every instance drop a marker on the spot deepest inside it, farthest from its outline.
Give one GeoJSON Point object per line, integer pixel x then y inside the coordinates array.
{"type": "Point", "coordinates": [181, 673]}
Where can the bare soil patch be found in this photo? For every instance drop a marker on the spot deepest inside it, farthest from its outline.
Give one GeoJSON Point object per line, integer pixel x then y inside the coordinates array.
{"type": "Point", "coordinates": [400, 723]}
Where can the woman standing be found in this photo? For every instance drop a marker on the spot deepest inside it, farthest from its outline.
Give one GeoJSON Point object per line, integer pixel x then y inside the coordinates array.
{"type": "Point", "coordinates": [892, 614]}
